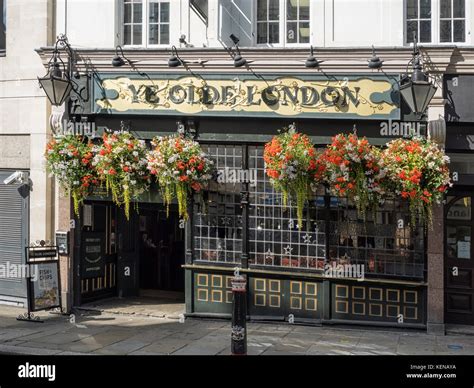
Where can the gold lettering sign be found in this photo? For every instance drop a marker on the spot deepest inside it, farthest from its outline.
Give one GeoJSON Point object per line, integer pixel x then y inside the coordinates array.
{"type": "Point", "coordinates": [320, 96]}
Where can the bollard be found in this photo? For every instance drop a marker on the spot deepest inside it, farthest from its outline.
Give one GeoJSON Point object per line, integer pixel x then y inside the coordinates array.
{"type": "Point", "coordinates": [239, 315]}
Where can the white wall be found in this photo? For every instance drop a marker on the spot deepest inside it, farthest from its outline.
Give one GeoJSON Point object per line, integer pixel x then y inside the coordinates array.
{"type": "Point", "coordinates": [363, 23]}
{"type": "Point", "coordinates": [88, 23]}
{"type": "Point", "coordinates": [23, 106]}
{"type": "Point", "coordinates": [334, 23]}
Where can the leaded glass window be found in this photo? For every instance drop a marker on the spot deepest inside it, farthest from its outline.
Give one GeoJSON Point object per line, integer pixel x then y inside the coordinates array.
{"type": "Point", "coordinates": [274, 236]}
{"type": "Point", "coordinates": [218, 223]}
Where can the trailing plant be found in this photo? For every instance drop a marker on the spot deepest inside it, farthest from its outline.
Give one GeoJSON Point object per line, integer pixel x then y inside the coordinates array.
{"type": "Point", "coordinates": [180, 167]}
{"type": "Point", "coordinates": [292, 164]}
{"type": "Point", "coordinates": [69, 159]}
{"type": "Point", "coordinates": [121, 162]}
{"type": "Point", "coordinates": [418, 171]}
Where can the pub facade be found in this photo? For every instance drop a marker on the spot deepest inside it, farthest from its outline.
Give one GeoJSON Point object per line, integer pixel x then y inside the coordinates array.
{"type": "Point", "coordinates": [335, 268]}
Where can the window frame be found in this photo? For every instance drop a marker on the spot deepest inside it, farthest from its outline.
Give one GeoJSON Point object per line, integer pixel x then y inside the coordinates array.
{"type": "Point", "coordinates": [145, 25]}
{"type": "Point", "coordinates": [282, 27]}
{"type": "Point", "coordinates": [436, 26]}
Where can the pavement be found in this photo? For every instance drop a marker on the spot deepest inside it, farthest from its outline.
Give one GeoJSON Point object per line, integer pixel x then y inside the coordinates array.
{"type": "Point", "coordinates": [97, 332]}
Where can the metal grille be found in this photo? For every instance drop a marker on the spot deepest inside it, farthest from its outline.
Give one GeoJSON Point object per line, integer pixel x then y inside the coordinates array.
{"type": "Point", "coordinates": [274, 236]}
{"type": "Point", "coordinates": [218, 227]}
{"type": "Point", "coordinates": [13, 233]}
{"type": "Point", "coordinates": [385, 243]}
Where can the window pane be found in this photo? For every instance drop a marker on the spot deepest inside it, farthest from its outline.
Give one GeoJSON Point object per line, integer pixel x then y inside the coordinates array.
{"type": "Point", "coordinates": [153, 34]}
{"type": "Point", "coordinates": [445, 8]}
{"type": "Point", "coordinates": [425, 9]}
{"type": "Point", "coordinates": [137, 34]}
{"type": "Point", "coordinates": [304, 9]}
{"type": "Point", "coordinates": [137, 13]}
{"type": "Point", "coordinates": [127, 35]}
{"type": "Point", "coordinates": [459, 9]}
{"type": "Point", "coordinates": [274, 32]}
{"type": "Point", "coordinates": [445, 31]}
{"type": "Point", "coordinates": [291, 32]}
{"type": "Point", "coordinates": [425, 31]}
{"type": "Point", "coordinates": [154, 10]}
{"type": "Point", "coordinates": [412, 9]}
{"type": "Point", "coordinates": [262, 10]}
{"type": "Point", "coordinates": [412, 28]}
{"type": "Point", "coordinates": [262, 33]}
{"type": "Point", "coordinates": [291, 10]}
{"type": "Point", "coordinates": [304, 32]}
{"type": "Point", "coordinates": [127, 13]}
{"type": "Point", "coordinates": [273, 10]}
{"type": "Point", "coordinates": [165, 34]}
{"type": "Point", "coordinates": [165, 13]}
{"type": "Point", "coordinates": [459, 242]}
{"type": "Point", "coordinates": [459, 31]}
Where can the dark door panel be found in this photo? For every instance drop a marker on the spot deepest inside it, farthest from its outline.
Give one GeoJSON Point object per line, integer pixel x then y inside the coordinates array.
{"type": "Point", "coordinates": [459, 259]}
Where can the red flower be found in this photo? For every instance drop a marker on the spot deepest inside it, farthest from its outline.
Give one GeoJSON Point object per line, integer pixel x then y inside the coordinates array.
{"type": "Point", "coordinates": [183, 178]}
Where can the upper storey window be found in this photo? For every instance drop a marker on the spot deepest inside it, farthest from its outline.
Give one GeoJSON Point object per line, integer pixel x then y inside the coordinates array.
{"type": "Point", "coordinates": [146, 22]}
{"type": "Point", "coordinates": [418, 14]}
{"type": "Point", "coordinates": [436, 21]}
{"type": "Point", "coordinates": [283, 22]}
{"type": "Point", "coordinates": [452, 22]}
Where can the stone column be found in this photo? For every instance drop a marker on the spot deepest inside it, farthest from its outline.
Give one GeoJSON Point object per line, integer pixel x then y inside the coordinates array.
{"type": "Point", "coordinates": [435, 269]}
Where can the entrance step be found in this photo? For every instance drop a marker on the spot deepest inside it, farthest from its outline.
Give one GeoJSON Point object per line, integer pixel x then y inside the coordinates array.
{"type": "Point", "coordinates": [141, 306]}
{"type": "Point", "coordinates": [460, 329]}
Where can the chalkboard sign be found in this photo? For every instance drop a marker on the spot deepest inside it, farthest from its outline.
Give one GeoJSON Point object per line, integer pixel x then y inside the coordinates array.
{"type": "Point", "coordinates": [92, 257]}
{"type": "Point", "coordinates": [44, 285]}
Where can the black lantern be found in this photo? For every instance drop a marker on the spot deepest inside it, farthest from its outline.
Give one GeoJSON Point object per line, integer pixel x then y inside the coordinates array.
{"type": "Point", "coordinates": [56, 84]}
{"type": "Point", "coordinates": [417, 90]}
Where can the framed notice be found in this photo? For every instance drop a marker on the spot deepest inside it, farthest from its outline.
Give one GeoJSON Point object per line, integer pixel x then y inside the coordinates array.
{"type": "Point", "coordinates": [44, 285]}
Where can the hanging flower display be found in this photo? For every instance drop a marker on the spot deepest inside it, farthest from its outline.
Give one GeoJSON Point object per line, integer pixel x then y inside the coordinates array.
{"type": "Point", "coordinates": [418, 171]}
{"type": "Point", "coordinates": [69, 159]}
{"type": "Point", "coordinates": [292, 165]}
{"type": "Point", "coordinates": [353, 169]}
{"type": "Point", "coordinates": [121, 163]}
{"type": "Point", "coordinates": [180, 167]}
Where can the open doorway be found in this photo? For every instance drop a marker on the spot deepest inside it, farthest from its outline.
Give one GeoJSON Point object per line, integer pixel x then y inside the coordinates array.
{"type": "Point", "coordinates": [160, 252]}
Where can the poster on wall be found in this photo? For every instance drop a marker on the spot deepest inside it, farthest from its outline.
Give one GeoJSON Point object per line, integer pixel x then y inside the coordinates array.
{"type": "Point", "coordinates": [44, 284]}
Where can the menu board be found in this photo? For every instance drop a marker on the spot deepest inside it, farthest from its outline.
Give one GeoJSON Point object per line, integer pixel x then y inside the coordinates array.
{"type": "Point", "coordinates": [93, 260]}
{"type": "Point", "coordinates": [44, 286]}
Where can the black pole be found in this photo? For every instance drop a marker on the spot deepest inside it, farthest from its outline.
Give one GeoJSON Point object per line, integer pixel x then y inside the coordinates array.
{"type": "Point", "coordinates": [239, 315]}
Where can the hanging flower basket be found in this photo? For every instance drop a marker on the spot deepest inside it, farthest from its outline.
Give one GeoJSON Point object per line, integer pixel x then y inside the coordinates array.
{"type": "Point", "coordinates": [180, 167]}
{"type": "Point", "coordinates": [418, 172]}
{"type": "Point", "coordinates": [292, 165]}
{"type": "Point", "coordinates": [69, 159]}
{"type": "Point", "coordinates": [121, 164]}
{"type": "Point", "coordinates": [353, 169]}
